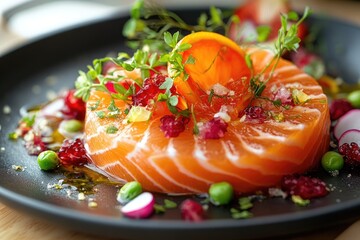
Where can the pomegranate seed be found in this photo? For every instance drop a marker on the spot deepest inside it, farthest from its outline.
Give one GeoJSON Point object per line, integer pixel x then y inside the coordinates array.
{"type": "Point", "coordinates": [254, 114]}
{"type": "Point", "coordinates": [339, 107]}
{"type": "Point", "coordinates": [150, 90]}
{"type": "Point", "coordinates": [213, 129]}
{"type": "Point", "coordinates": [305, 187]}
{"type": "Point", "coordinates": [351, 152]}
{"type": "Point", "coordinates": [172, 126]}
{"type": "Point", "coordinates": [74, 107]}
{"type": "Point", "coordinates": [73, 152]}
{"type": "Point", "coordinates": [192, 211]}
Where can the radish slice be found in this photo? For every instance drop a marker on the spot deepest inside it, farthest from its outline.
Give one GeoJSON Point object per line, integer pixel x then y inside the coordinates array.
{"type": "Point", "coordinates": [140, 207]}
{"type": "Point", "coordinates": [53, 108]}
{"type": "Point", "coordinates": [351, 120]}
{"type": "Point", "coordinates": [350, 136]}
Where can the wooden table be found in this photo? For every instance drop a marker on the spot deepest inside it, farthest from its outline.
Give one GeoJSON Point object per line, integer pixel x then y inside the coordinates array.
{"type": "Point", "coordinates": [15, 225]}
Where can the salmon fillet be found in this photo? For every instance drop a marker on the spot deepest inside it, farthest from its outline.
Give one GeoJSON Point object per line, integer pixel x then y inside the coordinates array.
{"type": "Point", "coordinates": [250, 156]}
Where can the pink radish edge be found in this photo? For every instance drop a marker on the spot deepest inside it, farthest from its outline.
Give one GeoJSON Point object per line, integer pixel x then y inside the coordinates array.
{"type": "Point", "coordinates": [351, 120]}
{"type": "Point", "coordinates": [140, 207]}
{"type": "Point", "coordinates": [349, 136]}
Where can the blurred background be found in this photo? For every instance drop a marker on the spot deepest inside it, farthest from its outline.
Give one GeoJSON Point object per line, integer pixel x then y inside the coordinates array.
{"type": "Point", "coordinates": [23, 20]}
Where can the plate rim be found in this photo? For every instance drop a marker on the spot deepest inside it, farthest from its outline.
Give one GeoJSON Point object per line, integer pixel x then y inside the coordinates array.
{"type": "Point", "coordinates": [13, 199]}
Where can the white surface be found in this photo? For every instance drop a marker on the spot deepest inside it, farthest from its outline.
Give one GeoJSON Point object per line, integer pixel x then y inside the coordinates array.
{"type": "Point", "coordinates": [57, 15]}
{"type": "Point", "coordinates": [54, 16]}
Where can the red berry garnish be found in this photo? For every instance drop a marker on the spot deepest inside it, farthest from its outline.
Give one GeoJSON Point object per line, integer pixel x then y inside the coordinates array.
{"type": "Point", "coordinates": [150, 90]}
{"type": "Point", "coordinates": [213, 129]}
{"type": "Point", "coordinates": [303, 186]}
{"type": "Point", "coordinates": [351, 152]}
{"type": "Point", "coordinates": [74, 107]}
{"type": "Point", "coordinates": [339, 107]}
{"type": "Point", "coordinates": [172, 126]}
{"type": "Point", "coordinates": [192, 211]}
{"type": "Point", "coordinates": [73, 152]}
{"type": "Point", "coordinates": [254, 114]}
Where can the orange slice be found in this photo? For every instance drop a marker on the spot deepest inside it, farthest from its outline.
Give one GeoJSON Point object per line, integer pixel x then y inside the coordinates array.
{"type": "Point", "coordinates": [219, 67]}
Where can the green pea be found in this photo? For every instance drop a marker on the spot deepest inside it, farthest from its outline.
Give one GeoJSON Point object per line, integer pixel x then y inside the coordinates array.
{"type": "Point", "coordinates": [332, 161]}
{"type": "Point", "coordinates": [129, 191]}
{"type": "Point", "coordinates": [72, 125]}
{"type": "Point", "coordinates": [354, 98]}
{"type": "Point", "coordinates": [48, 160]}
{"type": "Point", "coordinates": [221, 193]}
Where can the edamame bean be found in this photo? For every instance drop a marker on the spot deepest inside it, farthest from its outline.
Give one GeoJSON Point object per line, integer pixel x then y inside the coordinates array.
{"type": "Point", "coordinates": [221, 193]}
{"type": "Point", "coordinates": [48, 160]}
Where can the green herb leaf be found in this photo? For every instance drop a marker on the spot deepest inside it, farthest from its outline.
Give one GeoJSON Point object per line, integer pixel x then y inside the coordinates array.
{"type": "Point", "coordinates": [300, 201]}
{"type": "Point", "coordinates": [245, 203]}
{"type": "Point", "coordinates": [112, 107]}
{"type": "Point", "coordinates": [248, 61]}
{"type": "Point", "coordinates": [173, 100]}
{"type": "Point", "coordinates": [202, 19]}
{"type": "Point", "coordinates": [153, 59]}
{"type": "Point", "coordinates": [137, 8]}
{"type": "Point", "coordinates": [111, 129]}
{"type": "Point", "coordinates": [215, 14]}
{"type": "Point", "coordinates": [100, 114]}
{"type": "Point", "coordinates": [29, 120]}
{"type": "Point", "coordinates": [196, 130]}
{"type": "Point", "coordinates": [167, 84]}
{"type": "Point", "coordinates": [13, 136]}
{"type": "Point", "coordinates": [183, 47]}
{"type": "Point", "coordinates": [94, 106]}
{"type": "Point", "coordinates": [190, 60]}
{"type": "Point", "coordinates": [162, 97]}
{"type": "Point", "coordinates": [168, 38]}
{"type": "Point", "coordinates": [236, 214]}
{"type": "Point", "coordinates": [263, 33]}
{"type": "Point", "coordinates": [169, 204]}
{"type": "Point", "coordinates": [293, 16]}
{"type": "Point", "coordinates": [159, 209]}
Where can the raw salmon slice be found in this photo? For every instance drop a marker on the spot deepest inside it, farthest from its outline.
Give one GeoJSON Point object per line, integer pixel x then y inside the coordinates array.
{"type": "Point", "coordinates": [251, 156]}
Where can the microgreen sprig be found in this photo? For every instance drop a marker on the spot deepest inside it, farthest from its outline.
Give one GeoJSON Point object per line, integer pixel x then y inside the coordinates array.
{"type": "Point", "coordinates": [287, 40]}
{"type": "Point", "coordinates": [148, 23]}
{"type": "Point", "coordinates": [174, 58]}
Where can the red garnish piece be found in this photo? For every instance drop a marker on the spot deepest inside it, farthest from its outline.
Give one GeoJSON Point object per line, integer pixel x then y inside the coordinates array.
{"type": "Point", "coordinates": [192, 211]}
{"type": "Point", "coordinates": [150, 90]}
{"type": "Point", "coordinates": [213, 129]}
{"type": "Point", "coordinates": [73, 152]}
{"type": "Point", "coordinates": [351, 152]}
{"type": "Point", "coordinates": [302, 57]}
{"type": "Point", "coordinates": [305, 187]}
{"type": "Point", "coordinates": [35, 146]}
{"type": "Point", "coordinates": [339, 107]}
{"type": "Point", "coordinates": [172, 126]}
{"type": "Point", "coordinates": [254, 114]}
{"type": "Point", "coordinates": [284, 95]}
{"type": "Point", "coordinates": [74, 107]}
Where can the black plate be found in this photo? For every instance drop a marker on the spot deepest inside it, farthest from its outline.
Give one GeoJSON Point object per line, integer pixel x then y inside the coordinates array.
{"type": "Point", "coordinates": [27, 69]}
